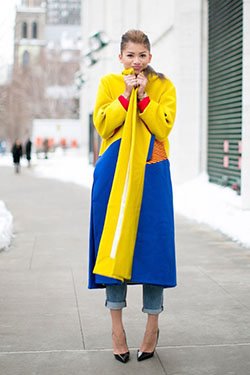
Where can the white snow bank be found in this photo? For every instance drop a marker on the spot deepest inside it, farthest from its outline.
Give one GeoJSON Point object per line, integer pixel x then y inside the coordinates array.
{"type": "Point", "coordinates": [66, 166]}
{"type": "Point", "coordinates": [6, 160]}
{"type": "Point", "coordinates": [217, 206]}
{"type": "Point", "coordinates": [6, 226]}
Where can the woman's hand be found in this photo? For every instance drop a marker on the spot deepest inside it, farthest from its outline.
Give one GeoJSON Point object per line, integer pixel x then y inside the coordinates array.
{"type": "Point", "coordinates": [130, 82]}
{"type": "Point", "coordinates": [141, 83]}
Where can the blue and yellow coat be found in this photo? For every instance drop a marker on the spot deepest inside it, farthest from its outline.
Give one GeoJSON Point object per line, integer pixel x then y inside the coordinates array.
{"type": "Point", "coordinates": [132, 224]}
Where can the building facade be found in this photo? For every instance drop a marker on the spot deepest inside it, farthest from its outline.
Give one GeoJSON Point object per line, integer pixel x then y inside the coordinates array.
{"type": "Point", "coordinates": [203, 47]}
{"type": "Point", "coordinates": [179, 51]}
{"type": "Point", "coordinates": [46, 59]}
{"type": "Point", "coordinates": [64, 12]}
{"type": "Point", "coordinates": [51, 23]}
{"type": "Point", "coordinates": [29, 40]}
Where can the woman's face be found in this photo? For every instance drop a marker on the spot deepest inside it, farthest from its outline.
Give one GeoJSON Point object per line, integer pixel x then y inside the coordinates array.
{"type": "Point", "coordinates": [135, 56]}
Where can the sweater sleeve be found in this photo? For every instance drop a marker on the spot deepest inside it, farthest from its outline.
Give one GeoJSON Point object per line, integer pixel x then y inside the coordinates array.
{"type": "Point", "coordinates": [142, 104]}
{"type": "Point", "coordinates": [124, 102]}
{"type": "Point", "coordinates": [159, 117]}
{"type": "Point", "coordinates": [109, 113]}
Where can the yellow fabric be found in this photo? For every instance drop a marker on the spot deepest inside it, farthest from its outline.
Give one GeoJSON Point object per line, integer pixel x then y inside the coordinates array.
{"type": "Point", "coordinates": [109, 114]}
{"type": "Point", "coordinates": [135, 139]}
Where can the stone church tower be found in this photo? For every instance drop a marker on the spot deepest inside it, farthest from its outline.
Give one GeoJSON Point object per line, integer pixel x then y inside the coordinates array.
{"type": "Point", "coordinates": [29, 33]}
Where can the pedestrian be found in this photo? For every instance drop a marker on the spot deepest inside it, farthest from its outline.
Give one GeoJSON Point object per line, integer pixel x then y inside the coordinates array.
{"type": "Point", "coordinates": [132, 225]}
{"type": "Point", "coordinates": [17, 152]}
{"type": "Point", "coordinates": [28, 147]}
{"type": "Point", "coordinates": [46, 148]}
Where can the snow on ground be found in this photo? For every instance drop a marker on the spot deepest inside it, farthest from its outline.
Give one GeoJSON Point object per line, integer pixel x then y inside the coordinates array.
{"type": "Point", "coordinates": [217, 206]}
{"type": "Point", "coordinates": [6, 226]}
{"type": "Point", "coordinates": [6, 160]}
{"type": "Point", "coordinates": [197, 199]}
{"type": "Point", "coordinates": [68, 166]}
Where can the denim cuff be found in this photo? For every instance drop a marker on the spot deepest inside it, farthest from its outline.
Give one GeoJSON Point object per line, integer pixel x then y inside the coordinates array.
{"type": "Point", "coordinates": [115, 305]}
{"type": "Point", "coordinates": [151, 311]}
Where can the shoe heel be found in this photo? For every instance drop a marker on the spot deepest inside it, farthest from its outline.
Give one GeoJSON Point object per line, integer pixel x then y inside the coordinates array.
{"type": "Point", "coordinates": [124, 357]}
{"type": "Point", "coordinates": [141, 356]}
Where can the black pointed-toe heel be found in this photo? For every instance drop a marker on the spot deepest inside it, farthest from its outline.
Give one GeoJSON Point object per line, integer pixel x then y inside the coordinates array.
{"type": "Point", "coordinates": [141, 356]}
{"type": "Point", "coordinates": [122, 357]}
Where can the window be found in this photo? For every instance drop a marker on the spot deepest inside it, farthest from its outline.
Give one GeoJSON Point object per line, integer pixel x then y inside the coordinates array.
{"type": "Point", "coordinates": [24, 31]}
{"type": "Point", "coordinates": [34, 30]}
{"type": "Point", "coordinates": [26, 59]}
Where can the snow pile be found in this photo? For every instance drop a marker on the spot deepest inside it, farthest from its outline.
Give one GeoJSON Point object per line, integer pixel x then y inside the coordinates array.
{"type": "Point", "coordinates": [217, 206]}
{"type": "Point", "coordinates": [6, 226]}
{"type": "Point", "coordinates": [66, 166]}
{"type": "Point", "coordinates": [6, 160]}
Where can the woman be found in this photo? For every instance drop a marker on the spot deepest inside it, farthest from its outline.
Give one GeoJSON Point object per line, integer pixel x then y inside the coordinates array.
{"type": "Point", "coordinates": [132, 225]}
{"type": "Point", "coordinates": [28, 147]}
{"type": "Point", "coordinates": [17, 152]}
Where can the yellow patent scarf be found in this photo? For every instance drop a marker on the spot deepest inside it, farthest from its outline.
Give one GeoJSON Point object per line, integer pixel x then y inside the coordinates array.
{"type": "Point", "coordinates": [116, 248]}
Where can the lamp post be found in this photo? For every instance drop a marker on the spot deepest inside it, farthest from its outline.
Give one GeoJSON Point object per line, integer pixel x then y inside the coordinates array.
{"type": "Point", "coordinates": [79, 79]}
{"type": "Point", "coordinates": [90, 58]}
{"type": "Point", "coordinates": [97, 42]}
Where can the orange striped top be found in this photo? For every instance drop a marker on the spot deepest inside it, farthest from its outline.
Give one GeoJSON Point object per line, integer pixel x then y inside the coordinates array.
{"type": "Point", "coordinates": [159, 153]}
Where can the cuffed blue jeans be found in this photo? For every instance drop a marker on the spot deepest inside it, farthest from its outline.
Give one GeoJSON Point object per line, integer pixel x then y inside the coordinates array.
{"type": "Point", "coordinates": [152, 298]}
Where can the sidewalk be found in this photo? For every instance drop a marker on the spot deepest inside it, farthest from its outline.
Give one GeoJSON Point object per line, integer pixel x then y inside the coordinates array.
{"type": "Point", "coordinates": [51, 324]}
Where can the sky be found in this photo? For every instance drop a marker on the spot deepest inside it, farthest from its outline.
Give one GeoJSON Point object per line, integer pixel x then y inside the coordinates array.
{"type": "Point", "coordinates": [7, 18]}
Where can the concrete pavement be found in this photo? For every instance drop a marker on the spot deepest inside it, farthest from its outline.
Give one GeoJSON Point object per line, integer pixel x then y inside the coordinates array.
{"type": "Point", "coordinates": [51, 324]}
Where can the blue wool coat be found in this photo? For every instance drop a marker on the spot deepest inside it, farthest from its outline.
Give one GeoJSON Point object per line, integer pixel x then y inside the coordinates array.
{"type": "Point", "coordinates": [154, 249]}
{"type": "Point", "coordinates": [154, 253]}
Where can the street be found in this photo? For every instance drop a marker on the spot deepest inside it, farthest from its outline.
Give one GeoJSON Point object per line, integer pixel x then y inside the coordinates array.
{"type": "Point", "coordinates": [50, 323]}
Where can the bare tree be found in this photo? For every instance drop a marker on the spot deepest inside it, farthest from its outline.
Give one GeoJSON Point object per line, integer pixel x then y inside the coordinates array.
{"type": "Point", "coordinates": [43, 90]}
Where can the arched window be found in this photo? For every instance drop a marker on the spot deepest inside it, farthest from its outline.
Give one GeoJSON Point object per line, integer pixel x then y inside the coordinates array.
{"type": "Point", "coordinates": [34, 30]}
{"type": "Point", "coordinates": [26, 59]}
{"type": "Point", "coordinates": [24, 31]}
